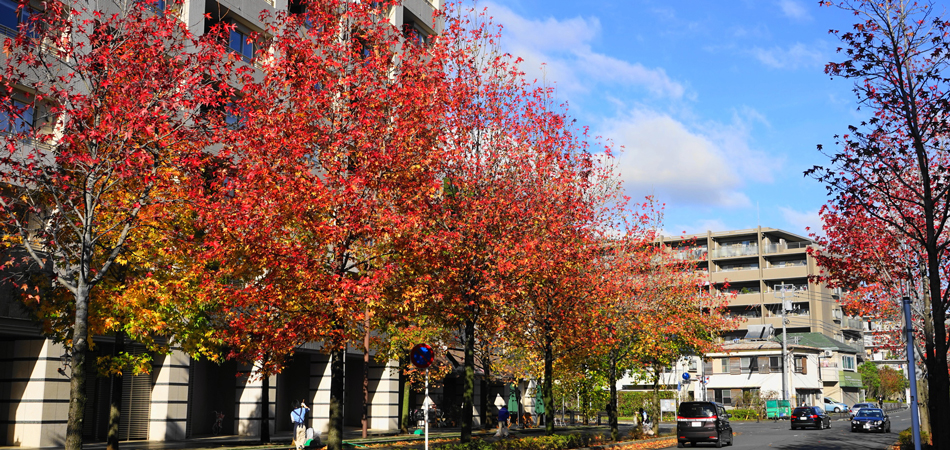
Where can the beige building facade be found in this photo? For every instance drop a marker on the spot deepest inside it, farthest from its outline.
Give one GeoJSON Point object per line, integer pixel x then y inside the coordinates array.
{"type": "Point", "coordinates": [179, 399]}
{"type": "Point", "coordinates": [752, 265]}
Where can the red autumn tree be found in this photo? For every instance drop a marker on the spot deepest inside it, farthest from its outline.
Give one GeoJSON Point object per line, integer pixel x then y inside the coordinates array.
{"type": "Point", "coordinates": [468, 225]}
{"type": "Point", "coordinates": [333, 150]}
{"type": "Point", "coordinates": [92, 139]}
{"type": "Point", "coordinates": [893, 167]}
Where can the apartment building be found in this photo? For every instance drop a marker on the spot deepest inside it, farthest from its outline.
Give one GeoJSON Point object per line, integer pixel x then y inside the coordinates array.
{"type": "Point", "coordinates": [181, 396]}
{"type": "Point", "coordinates": [753, 266]}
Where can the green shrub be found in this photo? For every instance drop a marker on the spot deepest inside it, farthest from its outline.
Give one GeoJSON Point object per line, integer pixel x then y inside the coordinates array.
{"type": "Point", "coordinates": [556, 442]}
{"type": "Point", "coordinates": [630, 402]}
{"type": "Point", "coordinates": [906, 439]}
{"type": "Point", "coordinates": [743, 414]}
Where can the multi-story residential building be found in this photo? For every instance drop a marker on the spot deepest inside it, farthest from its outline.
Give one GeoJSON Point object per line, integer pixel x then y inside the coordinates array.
{"type": "Point", "coordinates": [754, 265]}
{"type": "Point", "coordinates": [760, 269]}
{"type": "Point", "coordinates": [181, 396]}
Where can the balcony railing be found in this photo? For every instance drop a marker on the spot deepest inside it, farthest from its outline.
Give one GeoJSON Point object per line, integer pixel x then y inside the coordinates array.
{"type": "Point", "coordinates": [781, 247]}
{"type": "Point", "coordinates": [736, 250]}
{"type": "Point", "coordinates": [690, 254]}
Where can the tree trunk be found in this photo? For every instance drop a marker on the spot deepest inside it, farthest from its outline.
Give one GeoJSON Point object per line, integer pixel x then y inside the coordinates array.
{"type": "Point", "coordinates": [364, 419]}
{"type": "Point", "coordinates": [938, 379]}
{"type": "Point", "coordinates": [115, 397]}
{"type": "Point", "coordinates": [923, 406]}
{"type": "Point", "coordinates": [483, 395]}
{"type": "Point", "coordinates": [265, 409]}
{"type": "Point", "coordinates": [77, 385]}
{"type": "Point", "coordinates": [468, 392]}
{"type": "Point", "coordinates": [337, 379]}
{"type": "Point", "coordinates": [406, 384]}
{"type": "Point", "coordinates": [548, 393]}
{"type": "Point", "coordinates": [655, 408]}
{"type": "Point", "coordinates": [612, 408]}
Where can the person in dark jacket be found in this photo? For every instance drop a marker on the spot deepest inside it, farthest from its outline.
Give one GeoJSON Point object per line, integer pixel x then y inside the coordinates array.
{"type": "Point", "coordinates": [502, 422]}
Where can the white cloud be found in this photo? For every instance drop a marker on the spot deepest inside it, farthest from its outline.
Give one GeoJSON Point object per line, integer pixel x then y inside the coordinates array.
{"type": "Point", "coordinates": [804, 222]}
{"type": "Point", "coordinates": [794, 10]}
{"type": "Point", "coordinates": [701, 226]}
{"type": "Point", "coordinates": [698, 165]}
{"type": "Point", "coordinates": [795, 56]}
{"type": "Point", "coordinates": [560, 51]}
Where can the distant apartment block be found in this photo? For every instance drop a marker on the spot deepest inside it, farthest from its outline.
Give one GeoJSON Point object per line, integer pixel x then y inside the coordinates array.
{"type": "Point", "coordinates": [752, 264]}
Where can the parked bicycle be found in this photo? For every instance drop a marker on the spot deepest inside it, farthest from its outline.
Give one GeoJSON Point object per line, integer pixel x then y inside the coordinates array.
{"type": "Point", "coordinates": [218, 423]}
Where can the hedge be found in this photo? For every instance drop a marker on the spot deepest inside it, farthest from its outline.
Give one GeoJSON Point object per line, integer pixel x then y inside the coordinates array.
{"type": "Point", "coordinates": [630, 402]}
{"type": "Point", "coordinates": [556, 442]}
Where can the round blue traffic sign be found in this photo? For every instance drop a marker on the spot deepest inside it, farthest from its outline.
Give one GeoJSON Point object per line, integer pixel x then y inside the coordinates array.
{"type": "Point", "coordinates": [685, 375]}
{"type": "Point", "coordinates": [421, 355]}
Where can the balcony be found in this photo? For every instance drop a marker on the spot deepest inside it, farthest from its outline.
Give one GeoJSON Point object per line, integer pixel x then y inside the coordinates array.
{"type": "Point", "coordinates": [690, 254]}
{"type": "Point", "coordinates": [829, 370]}
{"type": "Point", "coordinates": [849, 323]}
{"type": "Point", "coordinates": [784, 247]}
{"type": "Point", "coordinates": [736, 250]}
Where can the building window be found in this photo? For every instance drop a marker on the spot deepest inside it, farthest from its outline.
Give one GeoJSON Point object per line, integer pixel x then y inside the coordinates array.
{"type": "Point", "coordinates": [725, 365]}
{"type": "Point", "coordinates": [749, 364]}
{"type": "Point", "coordinates": [11, 18]}
{"type": "Point", "coordinates": [801, 364]}
{"type": "Point", "coordinates": [847, 362]}
{"type": "Point", "coordinates": [240, 42]}
{"type": "Point", "coordinates": [414, 33]}
{"type": "Point", "coordinates": [19, 119]}
{"type": "Point", "coordinates": [723, 396]}
{"type": "Point", "coordinates": [775, 363]}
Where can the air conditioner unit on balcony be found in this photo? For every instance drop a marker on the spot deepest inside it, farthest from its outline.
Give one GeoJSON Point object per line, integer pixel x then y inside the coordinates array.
{"type": "Point", "coordinates": [828, 353]}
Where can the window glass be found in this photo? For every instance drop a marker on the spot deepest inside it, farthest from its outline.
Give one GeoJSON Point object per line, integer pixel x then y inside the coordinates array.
{"type": "Point", "coordinates": [8, 17]}
{"type": "Point", "coordinates": [239, 43]}
{"type": "Point", "coordinates": [697, 410]}
{"type": "Point", "coordinates": [11, 123]}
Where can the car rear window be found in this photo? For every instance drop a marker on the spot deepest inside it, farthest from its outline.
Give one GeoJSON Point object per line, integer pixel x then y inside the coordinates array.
{"type": "Point", "coordinates": [800, 411]}
{"type": "Point", "coordinates": [697, 410]}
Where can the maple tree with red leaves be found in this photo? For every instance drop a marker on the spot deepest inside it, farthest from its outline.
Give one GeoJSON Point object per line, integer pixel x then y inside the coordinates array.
{"type": "Point", "coordinates": [893, 167]}
{"type": "Point", "coordinates": [333, 150]}
{"type": "Point", "coordinates": [91, 141]}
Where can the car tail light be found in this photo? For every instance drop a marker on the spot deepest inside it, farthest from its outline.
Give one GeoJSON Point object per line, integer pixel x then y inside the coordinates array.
{"type": "Point", "coordinates": [814, 417]}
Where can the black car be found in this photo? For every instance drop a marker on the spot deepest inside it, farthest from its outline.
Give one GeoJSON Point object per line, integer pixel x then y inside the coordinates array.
{"type": "Point", "coordinates": [810, 416]}
{"type": "Point", "coordinates": [703, 422]}
{"type": "Point", "coordinates": [869, 419]}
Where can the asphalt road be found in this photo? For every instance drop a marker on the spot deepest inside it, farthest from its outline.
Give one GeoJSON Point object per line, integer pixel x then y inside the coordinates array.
{"type": "Point", "coordinates": [778, 435]}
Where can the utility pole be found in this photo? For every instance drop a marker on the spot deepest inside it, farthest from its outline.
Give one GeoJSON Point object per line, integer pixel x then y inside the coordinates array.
{"type": "Point", "coordinates": [779, 292]}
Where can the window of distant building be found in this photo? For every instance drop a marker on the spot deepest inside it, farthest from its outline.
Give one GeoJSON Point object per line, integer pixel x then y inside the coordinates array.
{"type": "Point", "coordinates": [847, 362]}
{"type": "Point", "coordinates": [775, 363]}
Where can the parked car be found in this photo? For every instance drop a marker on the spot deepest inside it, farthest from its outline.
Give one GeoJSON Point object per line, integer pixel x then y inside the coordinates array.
{"type": "Point", "coordinates": [868, 419]}
{"type": "Point", "coordinates": [858, 406]}
{"type": "Point", "coordinates": [810, 416]}
{"type": "Point", "coordinates": [703, 422]}
{"type": "Point", "coordinates": [834, 406]}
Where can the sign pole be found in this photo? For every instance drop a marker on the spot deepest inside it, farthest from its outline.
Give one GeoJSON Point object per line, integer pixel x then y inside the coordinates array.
{"type": "Point", "coordinates": [912, 372]}
{"type": "Point", "coordinates": [427, 409]}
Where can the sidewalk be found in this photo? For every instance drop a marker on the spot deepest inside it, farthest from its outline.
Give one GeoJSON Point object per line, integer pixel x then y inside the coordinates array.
{"type": "Point", "coordinates": [352, 436]}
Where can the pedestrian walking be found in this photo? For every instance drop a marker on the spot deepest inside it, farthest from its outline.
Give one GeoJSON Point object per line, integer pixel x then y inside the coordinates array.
{"type": "Point", "coordinates": [299, 418]}
{"type": "Point", "coordinates": [502, 422]}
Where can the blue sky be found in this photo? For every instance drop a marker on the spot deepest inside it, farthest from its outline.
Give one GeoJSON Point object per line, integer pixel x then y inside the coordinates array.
{"type": "Point", "coordinates": [719, 105]}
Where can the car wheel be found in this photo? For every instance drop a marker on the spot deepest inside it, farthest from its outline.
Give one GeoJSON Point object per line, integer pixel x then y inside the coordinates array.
{"type": "Point", "coordinates": [829, 423]}
{"type": "Point", "coordinates": [837, 409]}
{"type": "Point", "coordinates": [794, 427]}
{"type": "Point", "coordinates": [680, 445]}
{"type": "Point", "coordinates": [719, 441]}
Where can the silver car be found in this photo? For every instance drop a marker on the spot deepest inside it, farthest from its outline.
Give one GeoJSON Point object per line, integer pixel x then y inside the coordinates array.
{"type": "Point", "coordinates": [857, 406]}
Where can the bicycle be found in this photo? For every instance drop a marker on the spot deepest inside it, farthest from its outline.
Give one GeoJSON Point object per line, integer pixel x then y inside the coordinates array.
{"type": "Point", "coordinates": [218, 423]}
